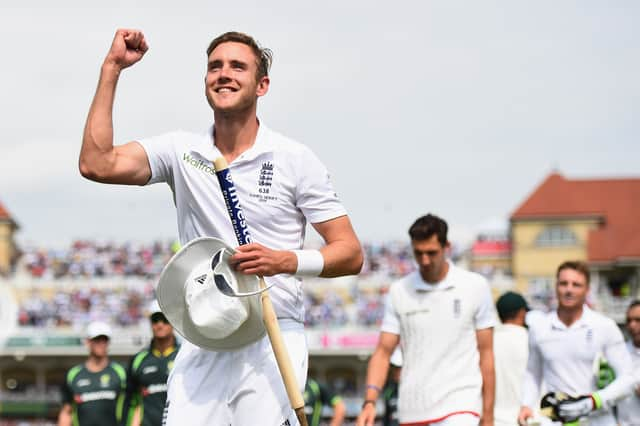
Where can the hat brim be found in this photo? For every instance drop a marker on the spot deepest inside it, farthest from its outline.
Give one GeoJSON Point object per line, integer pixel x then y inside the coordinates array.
{"type": "Point", "coordinates": [99, 335]}
{"type": "Point", "coordinates": [171, 298]}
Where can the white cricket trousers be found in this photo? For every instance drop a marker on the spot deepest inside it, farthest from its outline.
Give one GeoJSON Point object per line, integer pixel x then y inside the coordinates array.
{"type": "Point", "coordinates": [238, 388]}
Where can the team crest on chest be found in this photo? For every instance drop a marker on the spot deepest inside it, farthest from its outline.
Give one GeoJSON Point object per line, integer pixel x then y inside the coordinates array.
{"type": "Point", "coordinates": [264, 192]}
{"type": "Point", "coordinates": [105, 379]}
{"type": "Point", "coordinates": [266, 177]}
{"type": "Point", "coordinates": [457, 308]}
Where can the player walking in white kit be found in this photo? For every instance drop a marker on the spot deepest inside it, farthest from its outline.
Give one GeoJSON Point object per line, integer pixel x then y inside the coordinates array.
{"type": "Point", "coordinates": [443, 317]}
{"type": "Point", "coordinates": [563, 346]}
{"type": "Point", "coordinates": [282, 186]}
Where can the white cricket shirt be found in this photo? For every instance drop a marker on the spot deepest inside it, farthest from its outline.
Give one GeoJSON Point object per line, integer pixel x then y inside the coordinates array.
{"type": "Point", "coordinates": [437, 324]}
{"type": "Point", "coordinates": [510, 351]}
{"type": "Point", "coordinates": [281, 185]}
{"type": "Point", "coordinates": [564, 356]}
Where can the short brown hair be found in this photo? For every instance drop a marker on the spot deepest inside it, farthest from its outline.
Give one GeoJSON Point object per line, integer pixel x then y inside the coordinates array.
{"type": "Point", "coordinates": [428, 225]}
{"type": "Point", "coordinates": [576, 265]}
{"type": "Point", "coordinates": [264, 56]}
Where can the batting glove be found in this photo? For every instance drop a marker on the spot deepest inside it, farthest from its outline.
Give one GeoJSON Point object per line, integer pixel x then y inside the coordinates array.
{"type": "Point", "coordinates": [573, 409]}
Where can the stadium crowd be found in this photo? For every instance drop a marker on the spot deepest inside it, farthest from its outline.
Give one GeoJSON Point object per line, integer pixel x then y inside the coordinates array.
{"type": "Point", "coordinates": [77, 307]}
{"type": "Point", "coordinates": [91, 262]}
{"type": "Point", "coordinates": [90, 259]}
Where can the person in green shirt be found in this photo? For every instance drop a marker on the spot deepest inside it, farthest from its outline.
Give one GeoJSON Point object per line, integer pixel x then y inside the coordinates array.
{"type": "Point", "coordinates": [390, 391]}
{"type": "Point", "coordinates": [93, 392]}
{"type": "Point", "coordinates": [148, 372]}
{"type": "Point", "coordinates": [316, 396]}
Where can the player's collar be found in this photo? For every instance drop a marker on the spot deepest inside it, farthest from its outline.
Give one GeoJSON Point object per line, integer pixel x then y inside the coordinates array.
{"type": "Point", "coordinates": [171, 349]}
{"type": "Point", "coordinates": [209, 151]}
{"type": "Point", "coordinates": [420, 285]}
{"type": "Point", "coordinates": [580, 322]}
{"type": "Point", "coordinates": [167, 351]}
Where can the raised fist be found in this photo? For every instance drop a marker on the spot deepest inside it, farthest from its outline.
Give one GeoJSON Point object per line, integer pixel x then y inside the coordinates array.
{"type": "Point", "coordinates": [128, 47]}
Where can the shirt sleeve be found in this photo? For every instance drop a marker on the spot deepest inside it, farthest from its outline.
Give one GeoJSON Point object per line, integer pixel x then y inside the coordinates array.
{"type": "Point", "coordinates": [391, 319]}
{"type": "Point", "coordinates": [532, 375]}
{"type": "Point", "coordinates": [121, 376]}
{"type": "Point", "coordinates": [315, 195]}
{"type": "Point", "coordinates": [160, 153]}
{"type": "Point", "coordinates": [66, 393]}
{"type": "Point", "coordinates": [130, 395]}
{"type": "Point", "coordinates": [617, 355]}
{"type": "Point", "coordinates": [485, 315]}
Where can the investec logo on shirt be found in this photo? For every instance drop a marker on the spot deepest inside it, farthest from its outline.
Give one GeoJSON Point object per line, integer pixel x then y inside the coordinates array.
{"type": "Point", "coordinates": [203, 166]}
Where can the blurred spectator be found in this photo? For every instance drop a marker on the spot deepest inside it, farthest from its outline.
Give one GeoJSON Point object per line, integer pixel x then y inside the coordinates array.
{"type": "Point", "coordinates": [87, 259]}
{"type": "Point", "coordinates": [92, 391]}
{"type": "Point", "coordinates": [390, 391]}
{"type": "Point", "coordinates": [629, 408]}
{"type": "Point", "coordinates": [70, 307]}
{"type": "Point", "coordinates": [511, 351]}
{"type": "Point", "coordinates": [391, 259]}
{"type": "Point", "coordinates": [146, 393]}
{"type": "Point", "coordinates": [93, 259]}
{"type": "Point", "coordinates": [317, 396]}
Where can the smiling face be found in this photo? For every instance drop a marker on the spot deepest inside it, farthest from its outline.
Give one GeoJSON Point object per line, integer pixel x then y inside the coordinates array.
{"type": "Point", "coordinates": [231, 83]}
{"type": "Point", "coordinates": [572, 287]}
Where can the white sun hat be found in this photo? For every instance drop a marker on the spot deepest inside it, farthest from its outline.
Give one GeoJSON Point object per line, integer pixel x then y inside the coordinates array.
{"type": "Point", "coordinates": [195, 307]}
{"type": "Point", "coordinates": [153, 307]}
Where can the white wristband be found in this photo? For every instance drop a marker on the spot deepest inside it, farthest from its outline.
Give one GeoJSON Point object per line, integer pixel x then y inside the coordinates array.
{"type": "Point", "coordinates": [310, 263]}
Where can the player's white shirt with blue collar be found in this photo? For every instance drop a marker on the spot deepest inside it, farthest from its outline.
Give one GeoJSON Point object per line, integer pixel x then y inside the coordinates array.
{"type": "Point", "coordinates": [437, 325]}
{"type": "Point", "coordinates": [281, 185]}
{"type": "Point", "coordinates": [629, 408]}
{"type": "Point", "coordinates": [563, 357]}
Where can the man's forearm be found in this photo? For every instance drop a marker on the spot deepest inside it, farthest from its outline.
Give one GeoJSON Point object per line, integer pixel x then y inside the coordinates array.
{"type": "Point", "coordinates": [619, 389]}
{"type": "Point", "coordinates": [64, 417]}
{"type": "Point", "coordinates": [338, 414]}
{"type": "Point", "coordinates": [342, 253]}
{"type": "Point", "coordinates": [376, 375]}
{"type": "Point", "coordinates": [342, 258]}
{"type": "Point", "coordinates": [487, 370]}
{"type": "Point", "coordinates": [97, 141]}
